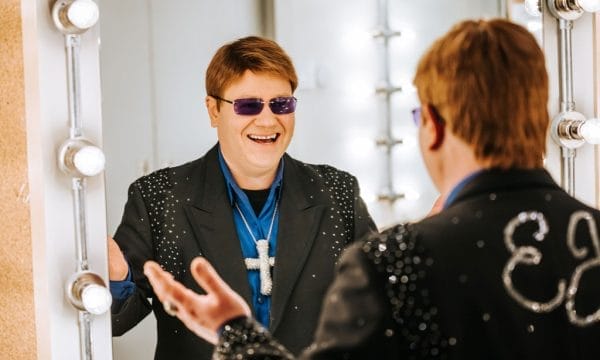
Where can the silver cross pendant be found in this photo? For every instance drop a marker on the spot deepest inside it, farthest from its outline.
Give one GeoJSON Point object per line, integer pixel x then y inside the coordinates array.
{"type": "Point", "coordinates": [262, 264]}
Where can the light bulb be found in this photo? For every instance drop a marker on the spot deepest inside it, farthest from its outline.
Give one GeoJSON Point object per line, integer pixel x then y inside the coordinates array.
{"type": "Point", "coordinates": [83, 14]}
{"type": "Point", "coordinates": [89, 160]}
{"type": "Point", "coordinates": [590, 131]}
{"type": "Point", "coordinates": [96, 299]}
{"type": "Point", "coordinates": [589, 5]}
{"type": "Point", "coordinates": [533, 7]}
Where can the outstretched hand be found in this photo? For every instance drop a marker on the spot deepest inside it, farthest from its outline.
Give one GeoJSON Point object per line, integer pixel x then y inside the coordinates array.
{"type": "Point", "coordinates": [438, 205]}
{"type": "Point", "coordinates": [202, 314]}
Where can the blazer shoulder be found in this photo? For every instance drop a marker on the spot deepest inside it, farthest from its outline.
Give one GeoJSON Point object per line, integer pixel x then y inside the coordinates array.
{"type": "Point", "coordinates": [321, 172]}
{"type": "Point", "coordinates": [167, 178]}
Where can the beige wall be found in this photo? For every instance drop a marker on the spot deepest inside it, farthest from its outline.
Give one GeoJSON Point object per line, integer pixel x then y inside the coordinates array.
{"type": "Point", "coordinates": [17, 323]}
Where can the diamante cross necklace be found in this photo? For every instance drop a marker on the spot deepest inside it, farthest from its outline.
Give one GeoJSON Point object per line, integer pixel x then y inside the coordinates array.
{"type": "Point", "coordinates": [264, 262]}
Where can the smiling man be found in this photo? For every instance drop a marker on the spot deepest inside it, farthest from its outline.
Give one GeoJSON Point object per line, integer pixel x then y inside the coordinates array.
{"type": "Point", "coordinates": [273, 226]}
{"type": "Point", "coordinates": [508, 269]}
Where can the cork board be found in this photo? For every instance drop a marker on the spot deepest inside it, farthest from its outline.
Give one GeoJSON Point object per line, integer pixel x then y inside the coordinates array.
{"type": "Point", "coordinates": [17, 322]}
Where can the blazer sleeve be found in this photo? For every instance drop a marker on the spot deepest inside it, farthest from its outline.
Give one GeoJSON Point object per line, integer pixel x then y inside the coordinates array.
{"type": "Point", "coordinates": [352, 324]}
{"type": "Point", "coordinates": [135, 240]}
{"type": "Point", "coordinates": [363, 223]}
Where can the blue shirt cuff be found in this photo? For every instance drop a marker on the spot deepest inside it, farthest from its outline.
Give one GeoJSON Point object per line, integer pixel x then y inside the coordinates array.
{"type": "Point", "coordinates": [121, 290]}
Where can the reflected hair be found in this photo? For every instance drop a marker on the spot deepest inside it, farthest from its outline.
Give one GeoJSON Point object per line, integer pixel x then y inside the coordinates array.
{"type": "Point", "coordinates": [257, 54]}
{"type": "Point", "coordinates": [488, 80]}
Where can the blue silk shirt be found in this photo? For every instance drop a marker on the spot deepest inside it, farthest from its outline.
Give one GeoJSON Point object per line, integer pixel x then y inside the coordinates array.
{"type": "Point", "coordinates": [259, 224]}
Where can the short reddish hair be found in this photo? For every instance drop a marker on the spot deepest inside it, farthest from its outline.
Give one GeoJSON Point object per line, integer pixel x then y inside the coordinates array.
{"type": "Point", "coordinates": [488, 81]}
{"type": "Point", "coordinates": [253, 53]}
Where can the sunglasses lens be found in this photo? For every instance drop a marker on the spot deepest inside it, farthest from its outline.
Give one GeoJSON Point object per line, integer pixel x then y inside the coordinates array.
{"type": "Point", "coordinates": [248, 106]}
{"type": "Point", "coordinates": [416, 113]}
{"type": "Point", "coordinates": [283, 105]}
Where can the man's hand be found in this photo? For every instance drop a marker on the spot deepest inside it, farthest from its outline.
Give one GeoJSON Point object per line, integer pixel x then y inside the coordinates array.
{"type": "Point", "coordinates": [202, 314]}
{"type": "Point", "coordinates": [117, 265]}
{"type": "Point", "coordinates": [438, 205]}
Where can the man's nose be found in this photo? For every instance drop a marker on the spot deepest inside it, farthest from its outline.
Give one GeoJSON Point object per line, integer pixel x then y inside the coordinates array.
{"type": "Point", "coordinates": [266, 117]}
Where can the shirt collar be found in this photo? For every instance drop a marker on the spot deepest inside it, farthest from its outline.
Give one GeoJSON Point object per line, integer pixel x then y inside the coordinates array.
{"type": "Point", "coordinates": [233, 190]}
{"type": "Point", "coordinates": [456, 189]}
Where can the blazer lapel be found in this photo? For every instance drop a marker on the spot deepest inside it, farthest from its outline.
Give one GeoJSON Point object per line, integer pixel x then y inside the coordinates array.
{"type": "Point", "coordinates": [210, 216]}
{"type": "Point", "coordinates": [298, 227]}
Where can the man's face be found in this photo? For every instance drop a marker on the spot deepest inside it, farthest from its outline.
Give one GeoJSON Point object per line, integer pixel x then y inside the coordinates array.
{"type": "Point", "coordinates": [426, 139]}
{"type": "Point", "coordinates": [253, 144]}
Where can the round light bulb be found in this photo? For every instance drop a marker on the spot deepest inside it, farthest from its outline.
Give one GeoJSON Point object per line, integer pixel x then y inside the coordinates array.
{"type": "Point", "coordinates": [589, 5]}
{"type": "Point", "coordinates": [89, 160]}
{"type": "Point", "coordinates": [83, 14]}
{"type": "Point", "coordinates": [96, 299]}
{"type": "Point", "coordinates": [590, 131]}
{"type": "Point", "coordinates": [533, 7]}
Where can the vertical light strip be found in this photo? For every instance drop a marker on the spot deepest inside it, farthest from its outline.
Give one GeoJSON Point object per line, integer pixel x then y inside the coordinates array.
{"type": "Point", "coordinates": [78, 185]}
{"type": "Point", "coordinates": [72, 43]}
{"type": "Point", "coordinates": [596, 70]}
{"type": "Point", "coordinates": [387, 89]}
{"type": "Point", "coordinates": [88, 16]}
{"type": "Point", "coordinates": [566, 100]}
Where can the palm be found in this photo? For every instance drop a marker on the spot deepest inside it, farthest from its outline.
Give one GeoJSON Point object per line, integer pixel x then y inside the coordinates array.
{"type": "Point", "coordinates": [203, 314]}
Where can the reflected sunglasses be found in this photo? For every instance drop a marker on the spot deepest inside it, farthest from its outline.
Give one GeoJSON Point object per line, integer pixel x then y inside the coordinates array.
{"type": "Point", "coordinates": [416, 116]}
{"type": "Point", "coordinates": [253, 106]}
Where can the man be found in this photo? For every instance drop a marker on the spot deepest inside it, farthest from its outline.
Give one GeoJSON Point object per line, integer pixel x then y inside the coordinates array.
{"type": "Point", "coordinates": [273, 226]}
{"type": "Point", "coordinates": [507, 270]}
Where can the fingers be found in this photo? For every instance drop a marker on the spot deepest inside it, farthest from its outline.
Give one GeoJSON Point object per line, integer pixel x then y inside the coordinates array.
{"type": "Point", "coordinates": [206, 276]}
{"type": "Point", "coordinates": [162, 281]}
{"type": "Point", "coordinates": [203, 314]}
{"type": "Point", "coordinates": [181, 302]}
{"type": "Point", "coordinates": [231, 304]}
{"type": "Point", "coordinates": [166, 287]}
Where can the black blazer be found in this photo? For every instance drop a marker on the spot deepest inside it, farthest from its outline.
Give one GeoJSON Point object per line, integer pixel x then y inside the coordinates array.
{"type": "Point", "coordinates": [176, 214]}
{"type": "Point", "coordinates": [464, 284]}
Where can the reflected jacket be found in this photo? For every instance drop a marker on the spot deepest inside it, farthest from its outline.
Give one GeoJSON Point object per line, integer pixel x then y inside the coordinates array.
{"type": "Point", "coordinates": [176, 214]}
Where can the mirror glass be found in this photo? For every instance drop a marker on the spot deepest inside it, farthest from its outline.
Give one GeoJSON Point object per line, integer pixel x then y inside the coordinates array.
{"type": "Point", "coordinates": [527, 13]}
{"type": "Point", "coordinates": [154, 54]}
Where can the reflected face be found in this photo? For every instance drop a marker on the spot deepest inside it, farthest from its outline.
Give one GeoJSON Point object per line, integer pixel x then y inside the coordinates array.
{"type": "Point", "coordinates": [252, 145]}
{"type": "Point", "coordinates": [422, 137]}
{"type": "Point", "coordinates": [425, 135]}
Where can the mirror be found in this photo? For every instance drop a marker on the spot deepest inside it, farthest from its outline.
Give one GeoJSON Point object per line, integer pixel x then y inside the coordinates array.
{"type": "Point", "coordinates": [528, 13]}
{"type": "Point", "coordinates": [154, 54]}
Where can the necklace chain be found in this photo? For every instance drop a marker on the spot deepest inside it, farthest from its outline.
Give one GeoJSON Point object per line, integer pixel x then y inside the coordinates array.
{"type": "Point", "coordinates": [264, 263]}
{"type": "Point", "coordinates": [248, 226]}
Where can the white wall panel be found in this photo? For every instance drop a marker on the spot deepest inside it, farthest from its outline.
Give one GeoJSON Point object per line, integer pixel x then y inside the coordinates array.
{"type": "Point", "coordinates": [339, 117]}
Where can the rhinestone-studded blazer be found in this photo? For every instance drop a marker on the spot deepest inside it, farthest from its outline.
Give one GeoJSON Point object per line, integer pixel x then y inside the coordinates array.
{"type": "Point", "coordinates": [510, 270]}
{"type": "Point", "coordinates": [176, 214]}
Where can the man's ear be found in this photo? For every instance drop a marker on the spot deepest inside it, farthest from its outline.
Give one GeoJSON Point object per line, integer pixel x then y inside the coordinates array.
{"type": "Point", "coordinates": [434, 125]}
{"type": "Point", "coordinates": [213, 110]}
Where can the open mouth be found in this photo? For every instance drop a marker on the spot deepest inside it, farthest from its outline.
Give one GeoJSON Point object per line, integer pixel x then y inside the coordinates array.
{"type": "Point", "coordinates": [264, 139]}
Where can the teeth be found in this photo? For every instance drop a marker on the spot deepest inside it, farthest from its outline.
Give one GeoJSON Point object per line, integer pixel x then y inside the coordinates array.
{"type": "Point", "coordinates": [265, 137]}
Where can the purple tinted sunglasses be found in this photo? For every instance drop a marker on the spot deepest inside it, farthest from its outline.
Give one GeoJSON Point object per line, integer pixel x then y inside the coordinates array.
{"type": "Point", "coordinates": [416, 115]}
{"type": "Point", "coordinates": [253, 106]}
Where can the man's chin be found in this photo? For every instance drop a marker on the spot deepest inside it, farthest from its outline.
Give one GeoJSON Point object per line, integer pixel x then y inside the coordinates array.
{"type": "Point", "coordinates": [264, 161]}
